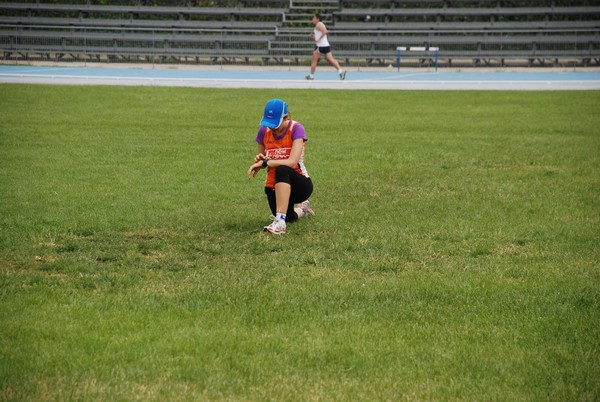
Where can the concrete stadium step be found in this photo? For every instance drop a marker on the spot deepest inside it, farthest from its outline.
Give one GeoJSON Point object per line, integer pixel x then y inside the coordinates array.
{"type": "Point", "coordinates": [319, 4]}
{"type": "Point", "coordinates": [305, 9]}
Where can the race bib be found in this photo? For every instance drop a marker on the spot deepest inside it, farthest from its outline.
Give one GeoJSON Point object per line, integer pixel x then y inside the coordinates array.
{"type": "Point", "coordinates": [279, 153]}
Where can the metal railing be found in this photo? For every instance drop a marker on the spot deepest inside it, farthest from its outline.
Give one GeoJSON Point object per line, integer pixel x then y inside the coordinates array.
{"type": "Point", "coordinates": [279, 46]}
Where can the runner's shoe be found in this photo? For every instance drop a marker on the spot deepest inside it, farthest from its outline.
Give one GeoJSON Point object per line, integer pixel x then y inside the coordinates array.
{"type": "Point", "coordinates": [305, 206]}
{"type": "Point", "coordinates": [276, 227]}
{"type": "Point", "coordinates": [308, 77]}
{"type": "Point", "coordinates": [343, 75]}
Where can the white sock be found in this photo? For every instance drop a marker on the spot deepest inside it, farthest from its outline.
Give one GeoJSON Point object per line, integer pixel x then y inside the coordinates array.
{"type": "Point", "coordinates": [340, 71]}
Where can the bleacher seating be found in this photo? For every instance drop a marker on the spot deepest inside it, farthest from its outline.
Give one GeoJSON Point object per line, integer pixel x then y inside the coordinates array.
{"type": "Point", "coordinates": [480, 32]}
{"type": "Point", "coordinates": [483, 31]}
{"type": "Point", "coordinates": [139, 32]}
{"type": "Point", "coordinates": [27, 10]}
{"type": "Point", "coordinates": [465, 16]}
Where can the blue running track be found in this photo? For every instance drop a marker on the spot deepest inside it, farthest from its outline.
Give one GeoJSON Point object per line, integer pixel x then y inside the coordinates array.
{"type": "Point", "coordinates": [262, 77]}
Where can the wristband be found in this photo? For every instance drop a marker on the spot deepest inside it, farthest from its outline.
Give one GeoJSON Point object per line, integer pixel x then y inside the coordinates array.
{"type": "Point", "coordinates": [265, 162]}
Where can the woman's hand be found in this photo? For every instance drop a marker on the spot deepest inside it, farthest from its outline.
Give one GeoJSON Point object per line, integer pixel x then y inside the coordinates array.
{"type": "Point", "coordinates": [259, 157]}
{"type": "Point", "coordinates": [254, 169]}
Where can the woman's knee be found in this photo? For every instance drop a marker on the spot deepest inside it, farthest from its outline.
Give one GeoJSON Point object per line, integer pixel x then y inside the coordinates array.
{"type": "Point", "coordinates": [282, 174]}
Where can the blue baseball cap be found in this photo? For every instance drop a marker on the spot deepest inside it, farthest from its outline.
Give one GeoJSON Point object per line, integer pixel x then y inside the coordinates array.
{"type": "Point", "coordinates": [275, 111]}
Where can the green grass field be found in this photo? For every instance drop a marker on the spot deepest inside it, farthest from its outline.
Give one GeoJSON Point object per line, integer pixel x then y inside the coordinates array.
{"type": "Point", "coordinates": [454, 255]}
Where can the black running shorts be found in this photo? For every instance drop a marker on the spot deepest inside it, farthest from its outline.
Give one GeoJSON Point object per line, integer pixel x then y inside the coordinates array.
{"type": "Point", "coordinates": [323, 50]}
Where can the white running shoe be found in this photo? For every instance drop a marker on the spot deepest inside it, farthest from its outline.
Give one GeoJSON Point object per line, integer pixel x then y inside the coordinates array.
{"type": "Point", "coordinates": [308, 77]}
{"type": "Point", "coordinates": [276, 227]}
{"type": "Point", "coordinates": [305, 206]}
{"type": "Point", "coordinates": [343, 75]}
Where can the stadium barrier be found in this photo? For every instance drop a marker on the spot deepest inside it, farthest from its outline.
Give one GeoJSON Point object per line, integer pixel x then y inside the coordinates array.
{"type": "Point", "coordinates": [418, 50]}
{"type": "Point", "coordinates": [274, 45]}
